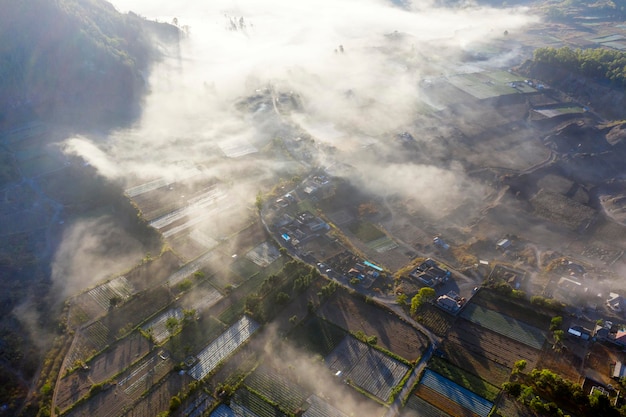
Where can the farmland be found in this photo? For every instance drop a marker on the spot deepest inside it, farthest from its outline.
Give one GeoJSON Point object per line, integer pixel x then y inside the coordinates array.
{"type": "Point", "coordinates": [354, 314]}
{"type": "Point", "coordinates": [277, 387]}
{"type": "Point", "coordinates": [157, 328]}
{"type": "Point", "coordinates": [476, 363]}
{"type": "Point", "coordinates": [159, 397]}
{"type": "Point", "coordinates": [366, 367]}
{"type": "Point", "coordinates": [464, 379]}
{"type": "Point", "coordinates": [103, 367]}
{"type": "Point", "coordinates": [245, 402]}
{"type": "Point", "coordinates": [417, 407]}
{"type": "Point", "coordinates": [320, 408]}
{"type": "Point", "coordinates": [318, 335]}
{"type": "Point", "coordinates": [491, 345]}
{"type": "Point", "coordinates": [520, 310]}
{"type": "Point", "coordinates": [464, 398]}
{"type": "Point", "coordinates": [506, 326]}
{"type": "Point", "coordinates": [222, 347]}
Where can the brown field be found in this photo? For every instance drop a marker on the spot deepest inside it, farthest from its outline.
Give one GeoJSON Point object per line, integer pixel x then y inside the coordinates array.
{"type": "Point", "coordinates": [563, 363]}
{"type": "Point", "coordinates": [118, 357]}
{"type": "Point", "coordinates": [102, 368]}
{"type": "Point", "coordinates": [602, 360]}
{"type": "Point", "coordinates": [491, 345]}
{"type": "Point", "coordinates": [149, 274]}
{"type": "Point", "coordinates": [106, 403]}
{"type": "Point", "coordinates": [72, 388]}
{"type": "Point", "coordinates": [443, 403]}
{"type": "Point", "coordinates": [510, 407]}
{"type": "Point", "coordinates": [475, 363]}
{"type": "Point", "coordinates": [353, 314]}
{"type": "Point", "coordinates": [435, 319]}
{"type": "Point", "coordinates": [158, 399]}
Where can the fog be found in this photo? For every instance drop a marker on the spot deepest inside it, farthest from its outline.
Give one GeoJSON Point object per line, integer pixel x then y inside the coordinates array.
{"type": "Point", "coordinates": [211, 129]}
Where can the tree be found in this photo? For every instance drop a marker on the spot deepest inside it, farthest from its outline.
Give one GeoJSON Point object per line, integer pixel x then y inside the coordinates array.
{"type": "Point", "coordinates": [558, 339]}
{"type": "Point", "coordinates": [555, 323]}
{"type": "Point", "coordinates": [171, 323]}
{"type": "Point", "coordinates": [519, 366]}
{"type": "Point", "coordinates": [114, 301]}
{"type": "Point", "coordinates": [401, 299]}
{"type": "Point", "coordinates": [428, 294]}
{"type": "Point", "coordinates": [175, 403]}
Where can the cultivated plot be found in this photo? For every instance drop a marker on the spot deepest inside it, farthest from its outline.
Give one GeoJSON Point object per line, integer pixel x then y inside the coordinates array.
{"type": "Point", "coordinates": [456, 393]}
{"type": "Point", "coordinates": [277, 387]}
{"type": "Point", "coordinates": [320, 408]}
{"type": "Point", "coordinates": [393, 334]}
{"type": "Point", "coordinates": [264, 254]}
{"type": "Point", "coordinates": [417, 407]}
{"type": "Point", "coordinates": [484, 343]}
{"type": "Point", "coordinates": [248, 404]}
{"type": "Point", "coordinates": [143, 375]}
{"type": "Point", "coordinates": [505, 325]}
{"type": "Point", "coordinates": [366, 367]}
{"type": "Point", "coordinates": [197, 405]}
{"type": "Point", "coordinates": [480, 86]}
{"type": "Point", "coordinates": [118, 288]}
{"type": "Point", "coordinates": [223, 346]}
{"type": "Point", "coordinates": [158, 328]}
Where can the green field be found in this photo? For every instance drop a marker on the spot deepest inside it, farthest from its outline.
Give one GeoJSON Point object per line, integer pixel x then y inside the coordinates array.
{"type": "Point", "coordinates": [366, 231]}
{"type": "Point", "coordinates": [505, 325]}
{"type": "Point", "coordinates": [480, 86]}
{"type": "Point", "coordinates": [464, 378]}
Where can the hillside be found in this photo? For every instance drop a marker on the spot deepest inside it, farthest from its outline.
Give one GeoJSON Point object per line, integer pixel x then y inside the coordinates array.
{"type": "Point", "coordinates": [71, 60]}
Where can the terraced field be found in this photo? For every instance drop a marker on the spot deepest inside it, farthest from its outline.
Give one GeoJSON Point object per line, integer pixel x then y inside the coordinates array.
{"type": "Point", "coordinates": [417, 407]}
{"type": "Point", "coordinates": [158, 326]}
{"type": "Point", "coordinates": [491, 345]}
{"type": "Point", "coordinates": [277, 387]}
{"type": "Point", "coordinates": [246, 403]}
{"type": "Point", "coordinates": [366, 367]}
{"type": "Point", "coordinates": [223, 346]}
{"type": "Point", "coordinates": [463, 397]}
{"type": "Point", "coordinates": [463, 378]}
{"type": "Point", "coordinates": [505, 325]}
{"type": "Point", "coordinates": [320, 408]}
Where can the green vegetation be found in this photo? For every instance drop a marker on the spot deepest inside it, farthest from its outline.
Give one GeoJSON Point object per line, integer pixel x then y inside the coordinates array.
{"type": "Point", "coordinates": [598, 63]}
{"type": "Point", "coordinates": [425, 294]}
{"type": "Point", "coordinates": [365, 231]}
{"type": "Point", "coordinates": [547, 393]}
{"type": "Point", "coordinates": [464, 378]}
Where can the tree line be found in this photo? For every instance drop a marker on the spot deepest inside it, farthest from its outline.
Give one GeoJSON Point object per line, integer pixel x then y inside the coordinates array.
{"type": "Point", "coordinates": [602, 64]}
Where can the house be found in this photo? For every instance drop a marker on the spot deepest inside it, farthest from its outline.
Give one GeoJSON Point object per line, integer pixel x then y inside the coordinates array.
{"type": "Point", "coordinates": [619, 338]}
{"type": "Point", "coordinates": [580, 332]}
{"type": "Point", "coordinates": [619, 371]}
{"type": "Point", "coordinates": [503, 244]}
{"type": "Point", "coordinates": [615, 302]}
{"type": "Point", "coordinates": [448, 304]}
{"type": "Point", "coordinates": [601, 333]}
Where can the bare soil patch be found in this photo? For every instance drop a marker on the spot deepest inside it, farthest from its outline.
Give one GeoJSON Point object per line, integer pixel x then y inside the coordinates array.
{"type": "Point", "coordinates": [392, 333]}
{"type": "Point", "coordinates": [491, 345]}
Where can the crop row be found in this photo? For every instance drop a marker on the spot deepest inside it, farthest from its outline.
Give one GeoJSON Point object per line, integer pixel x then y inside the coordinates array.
{"type": "Point", "coordinates": [277, 387]}
{"type": "Point", "coordinates": [223, 346]}
{"type": "Point", "coordinates": [246, 403]}
{"type": "Point", "coordinates": [504, 325]}
{"type": "Point", "coordinates": [116, 288]}
{"type": "Point", "coordinates": [462, 396]}
{"type": "Point", "coordinates": [417, 407]}
{"type": "Point", "coordinates": [320, 408]}
{"type": "Point", "coordinates": [366, 367]}
{"type": "Point", "coordinates": [158, 327]}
